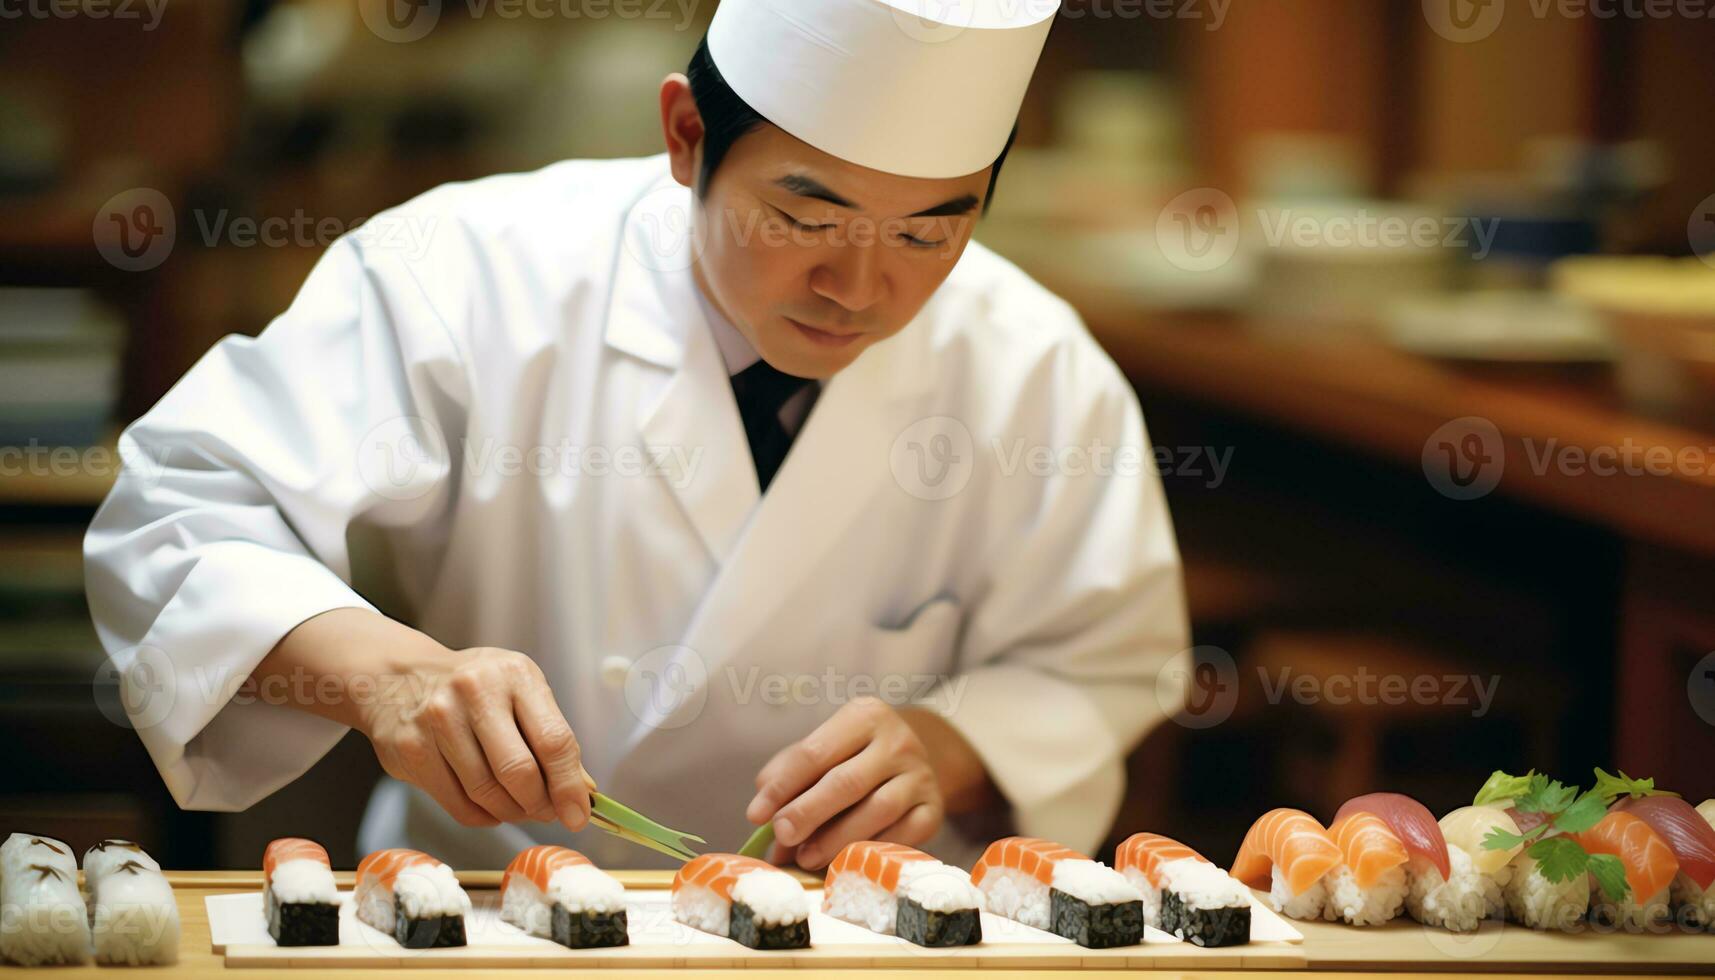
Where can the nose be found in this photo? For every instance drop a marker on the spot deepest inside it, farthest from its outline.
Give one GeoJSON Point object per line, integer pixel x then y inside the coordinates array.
{"type": "Point", "coordinates": [851, 276]}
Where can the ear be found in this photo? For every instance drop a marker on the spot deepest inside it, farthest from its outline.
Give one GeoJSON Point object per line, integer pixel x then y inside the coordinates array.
{"type": "Point", "coordinates": [682, 127]}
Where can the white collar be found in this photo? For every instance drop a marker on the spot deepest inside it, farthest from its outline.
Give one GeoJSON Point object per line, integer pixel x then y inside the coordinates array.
{"type": "Point", "coordinates": [735, 349]}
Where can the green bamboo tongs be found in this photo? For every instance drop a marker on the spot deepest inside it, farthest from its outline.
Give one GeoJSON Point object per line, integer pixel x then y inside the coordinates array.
{"type": "Point", "coordinates": [625, 823]}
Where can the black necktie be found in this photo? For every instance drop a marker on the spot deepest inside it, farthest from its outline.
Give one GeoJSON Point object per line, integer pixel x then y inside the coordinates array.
{"type": "Point", "coordinates": [762, 391]}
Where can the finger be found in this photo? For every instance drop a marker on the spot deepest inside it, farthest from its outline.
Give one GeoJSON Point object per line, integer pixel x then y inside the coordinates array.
{"type": "Point", "coordinates": [782, 855]}
{"type": "Point", "coordinates": [920, 823]}
{"type": "Point", "coordinates": [873, 814]}
{"type": "Point", "coordinates": [436, 778]}
{"type": "Point", "coordinates": [464, 754]}
{"type": "Point", "coordinates": [841, 787]}
{"type": "Point", "coordinates": [796, 767]}
{"type": "Point", "coordinates": [557, 751]}
{"type": "Point", "coordinates": [512, 762]}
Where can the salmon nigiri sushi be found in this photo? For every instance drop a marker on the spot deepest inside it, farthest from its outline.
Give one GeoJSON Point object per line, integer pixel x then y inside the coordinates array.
{"type": "Point", "coordinates": [298, 894]}
{"type": "Point", "coordinates": [1289, 852]}
{"type": "Point", "coordinates": [1368, 887]}
{"type": "Point", "coordinates": [1692, 838]}
{"type": "Point", "coordinates": [1046, 885]}
{"type": "Point", "coordinates": [556, 893]}
{"type": "Point", "coordinates": [1184, 893]}
{"type": "Point", "coordinates": [1650, 869]}
{"type": "Point", "coordinates": [411, 897]}
{"type": "Point", "coordinates": [746, 900]}
{"type": "Point", "coordinates": [897, 890]}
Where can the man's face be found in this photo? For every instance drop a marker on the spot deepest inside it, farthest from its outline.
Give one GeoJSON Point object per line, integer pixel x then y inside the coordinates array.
{"type": "Point", "coordinates": [814, 259]}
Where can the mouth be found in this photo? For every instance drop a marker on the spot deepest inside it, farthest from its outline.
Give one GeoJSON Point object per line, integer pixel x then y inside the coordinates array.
{"type": "Point", "coordinates": [825, 338]}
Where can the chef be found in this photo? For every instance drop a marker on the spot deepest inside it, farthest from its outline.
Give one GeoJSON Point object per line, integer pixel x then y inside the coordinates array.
{"type": "Point", "coordinates": [736, 481]}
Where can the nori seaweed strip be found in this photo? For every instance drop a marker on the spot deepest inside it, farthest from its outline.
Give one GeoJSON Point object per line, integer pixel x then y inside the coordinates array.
{"type": "Point", "coordinates": [1095, 926]}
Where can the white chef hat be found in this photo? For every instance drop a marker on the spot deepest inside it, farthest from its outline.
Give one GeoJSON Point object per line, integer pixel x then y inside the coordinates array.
{"type": "Point", "coordinates": [919, 88]}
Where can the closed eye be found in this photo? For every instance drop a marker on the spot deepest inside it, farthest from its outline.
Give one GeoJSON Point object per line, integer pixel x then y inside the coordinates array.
{"type": "Point", "coordinates": [805, 226]}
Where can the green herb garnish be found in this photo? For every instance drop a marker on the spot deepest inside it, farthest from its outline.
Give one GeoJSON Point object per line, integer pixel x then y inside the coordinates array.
{"type": "Point", "coordinates": [760, 840]}
{"type": "Point", "coordinates": [1610, 787]}
{"type": "Point", "coordinates": [1500, 788]}
{"type": "Point", "coordinates": [1559, 856]}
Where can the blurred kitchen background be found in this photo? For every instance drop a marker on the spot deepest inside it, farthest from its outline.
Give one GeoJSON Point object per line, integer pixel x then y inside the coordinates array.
{"type": "Point", "coordinates": [1411, 293]}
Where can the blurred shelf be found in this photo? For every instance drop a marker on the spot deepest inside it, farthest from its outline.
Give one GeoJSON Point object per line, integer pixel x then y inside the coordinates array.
{"type": "Point", "coordinates": [1361, 393]}
{"type": "Point", "coordinates": [33, 481]}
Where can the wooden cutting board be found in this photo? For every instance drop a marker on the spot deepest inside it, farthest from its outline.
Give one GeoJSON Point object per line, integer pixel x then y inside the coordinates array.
{"type": "Point", "coordinates": [1406, 945]}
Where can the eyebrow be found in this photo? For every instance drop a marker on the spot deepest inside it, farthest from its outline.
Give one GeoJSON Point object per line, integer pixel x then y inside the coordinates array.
{"type": "Point", "coordinates": [807, 186]}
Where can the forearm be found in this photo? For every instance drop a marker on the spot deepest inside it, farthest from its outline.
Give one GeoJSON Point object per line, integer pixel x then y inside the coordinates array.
{"type": "Point", "coordinates": [964, 780]}
{"type": "Point", "coordinates": [343, 661]}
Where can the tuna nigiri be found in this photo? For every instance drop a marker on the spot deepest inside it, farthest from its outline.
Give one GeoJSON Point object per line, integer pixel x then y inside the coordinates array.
{"type": "Point", "coordinates": [1410, 820]}
{"type": "Point", "coordinates": [298, 894]}
{"type": "Point", "coordinates": [1184, 893]}
{"type": "Point", "coordinates": [1649, 863]}
{"type": "Point", "coordinates": [1049, 886]}
{"type": "Point", "coordinates": [897, 890]}
{"type": "Point", "coordinates": [744, 899]}
{"type": "Point", "coordinates": [412, 897]}
{"type": "Point", "coordinates": [1692, 840]}
{"type": "Point", "coordinates": [1288, 852]}
{"type": "Point", "coordinates": [556, 893]}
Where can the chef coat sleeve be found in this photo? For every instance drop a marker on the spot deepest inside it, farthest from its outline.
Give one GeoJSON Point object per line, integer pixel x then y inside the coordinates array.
{"type": "Point", "coordinates": [1083, 612]}
{"type": "Point", "coordinates": [227, 525]}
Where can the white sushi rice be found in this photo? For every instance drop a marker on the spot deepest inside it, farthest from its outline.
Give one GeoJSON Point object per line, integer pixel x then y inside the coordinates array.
{"type": "Point", "coordinates": [775, 898]}
{"type": "Point", "coordinates": [1376, 905]}
{"type": "Point", "coordinates": [422, 891]}
{"type": "Point", "coordinates": [1016, 895]}
{"type": "Point", "coordinates": [1309, 904]}
{"type": "Point", "coordinates": [1459, 903]}
{"type": "Point", "coordinates": [1202, 885]}
{"type": "Point", "coordinates": [1151, 896]}
{"type": "Point", "coordinates": [43, 919]}
{"type": "Point", "coordinates": [523, 905]}
{"type": "Point", "coordinates": [1629, 914]}
{"type": "Point", "coordinates": [586, 888]}
{"type": "Point", "coordinates": [1541, 904]}
{"type": "Point", "coordinates": [1696, 905]}
{"type": "Point", "coordinates": [700, 908]}
{"type": "Point", "coordinates": [936, 887]}
{"type": "Point", "coordinates": [136, 919]}
{"type": "Point", "coordinates": [101, 861]}
{"type": "Point", "coordinates": [303, 882]}
{"type": "Point", "coordinates": [1022, 898]}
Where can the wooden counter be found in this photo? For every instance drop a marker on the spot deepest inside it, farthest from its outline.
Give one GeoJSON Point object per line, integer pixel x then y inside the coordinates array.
{"type": "Point", "coordinates": [1346, 947]}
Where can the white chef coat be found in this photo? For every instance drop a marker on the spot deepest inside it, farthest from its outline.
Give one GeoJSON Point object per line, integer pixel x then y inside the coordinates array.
{"type": "Point", "coordinates": [689, 626]}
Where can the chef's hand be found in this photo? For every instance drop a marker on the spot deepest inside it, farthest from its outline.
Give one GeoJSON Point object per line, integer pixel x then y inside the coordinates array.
{"type": "Point", "coordinates": [476, 729]}
{"type": "Point", "coordinates": [870, 772]}
{"type": "Point", "coordinates": [486, 740]}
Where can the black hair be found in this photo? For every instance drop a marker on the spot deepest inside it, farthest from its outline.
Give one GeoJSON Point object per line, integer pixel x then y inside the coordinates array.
{"type": "Point", "coordinates": [726, 117]}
